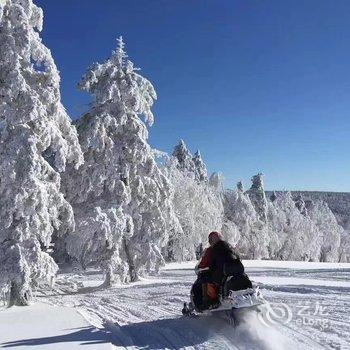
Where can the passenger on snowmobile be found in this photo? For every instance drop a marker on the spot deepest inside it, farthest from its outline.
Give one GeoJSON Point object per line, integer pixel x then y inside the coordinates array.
{"type": "Point", "coordinates": [225, 262]}
{"type": "Point", "coordinates": [219, 270]}
{"type": "Point", "coordinates": [199, 289]}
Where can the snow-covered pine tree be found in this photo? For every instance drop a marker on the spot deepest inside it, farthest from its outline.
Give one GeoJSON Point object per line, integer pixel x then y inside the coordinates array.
{"type": "Point", "coordinates": [257, 195]}
{"type": "Point", "coordinates": [197, 204]}
{"type": "Point", "coordinates": [293, 236]}
{"type": "Point", "coordinates": [184, 158]}
{"type": "Point", "coordinates": [300, 204]}
{"type": "Point", "coordinates": [253, 238]}
{"type": "Point", "coordinates": [216, 181]}
{"type": "Point", "coordinates": [240, 186]}
{"type": "Point", "coordinates": [329, 230]}
{"type": "Point", "coordinates": [36, 141]}
{"type": "Point", "coordinates": [344, 249]}
{"type": "Point", "coordinates": [121, 200]}
{"type": "Point", "coordinates": [200, 170]}
{"type": "Point", "coordinates": [273, 196]}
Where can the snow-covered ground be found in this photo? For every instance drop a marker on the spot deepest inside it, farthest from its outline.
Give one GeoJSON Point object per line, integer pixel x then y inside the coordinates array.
{"type": "Point", "coordinates": [42, 326]}
{"type": "Point", "coordinates": [309, 309]}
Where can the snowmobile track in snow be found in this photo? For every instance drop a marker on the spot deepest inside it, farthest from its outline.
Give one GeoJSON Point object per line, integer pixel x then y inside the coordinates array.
{"type": "Point", "coordinates": [147, 314]}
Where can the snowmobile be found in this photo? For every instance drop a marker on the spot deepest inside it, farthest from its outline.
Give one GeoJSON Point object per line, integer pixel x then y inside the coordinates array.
{"type": "Point", "coordinates": [236, 292]}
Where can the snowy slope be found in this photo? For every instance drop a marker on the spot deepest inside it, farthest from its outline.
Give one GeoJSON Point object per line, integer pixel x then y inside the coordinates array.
{"type": "Point", "coordinates": [147, 314]}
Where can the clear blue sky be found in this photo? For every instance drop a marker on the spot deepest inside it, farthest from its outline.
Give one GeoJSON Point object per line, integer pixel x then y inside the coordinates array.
{"type": "Point", "coordinates": [256, 85]}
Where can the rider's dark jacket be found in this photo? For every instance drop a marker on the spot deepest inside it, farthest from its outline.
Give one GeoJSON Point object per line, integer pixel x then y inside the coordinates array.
{"type": "Point", "coordinates": [224, 261]}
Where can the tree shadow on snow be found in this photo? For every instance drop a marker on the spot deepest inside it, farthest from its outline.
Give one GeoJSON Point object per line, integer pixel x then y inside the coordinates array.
{"type": "Point", "coordinates": [170, 333]}
{"type": "Point", "coordinates": [85, 335]}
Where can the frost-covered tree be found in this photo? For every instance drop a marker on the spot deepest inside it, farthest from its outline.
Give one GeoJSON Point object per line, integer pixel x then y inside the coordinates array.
{"type": "Point", "coordinates": [120, 198]}
{"type": "Point", "coordinates": [180, 245]}
{"type": "Point", "coordinates": [273, 196]}
{"type": "Point", "coordinates": [253, 236]}
{"type": "Point", "coordinates": [198, 208]}
{"type": "Point", "coordinates": [294, 236]}
{"type": "Point", "coordinates": [36, 142]}
{"type": "Point", "coordinates": [240, 186]}
{"type": "Point", "coordinates": [302, 230]}
{"type": "Point", "coordinates": [344, 249]}
{"type": "Point", "coordinates": [216, 181]}
{"type": "Point", "coordinates": [200, 169]}
{"type": "Point", "coordinates": [231, 232]}
{"type": "Point", "coordinates": [257, 196]}
{"type": "Point", "coordinates": [300, 204]}
{"type": "Point", "coordinates": [329, 230]}
{"type": "Point", "coordinates": [184, 158]}
{"type": "Point", "coordinates": [247, 210]}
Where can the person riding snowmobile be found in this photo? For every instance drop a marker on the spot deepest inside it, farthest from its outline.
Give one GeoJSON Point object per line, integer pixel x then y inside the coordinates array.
{"type": "Point", "coordinates": [199, 289]}
{"type": "Point", "coordinates": [218, 262]}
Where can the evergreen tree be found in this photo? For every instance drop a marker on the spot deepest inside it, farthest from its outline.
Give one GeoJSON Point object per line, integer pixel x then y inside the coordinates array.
{"type": "Point", "coordinates": [344, 249]}
{"type": "Point", "coordinates": [258, 197]}
{"type": "Point", "coordinates": [293, 236]}
{"type": "Point", "coordinates": [300, 204]}
{"type": "Point", "coordinates": [216, 181]}
{"type": "Point", "coordinates": [184, 158]}
{"type": "Point", "coordinates": [273, 196]}
{"type": "Point", "coordinates": [201, 173]}
{"type": "Point", "coordinates": [121, 199]}
{"type": "Point", "coordinates": [240, 186]}
{"type": "Point", "coordinates": [37, 141]}
{"type": "Point", "coordinates": [252, 239]}
{"type": "Point", "coordinates": [329, 230]}
{"type": "Point", "coordinates": [198, 208]}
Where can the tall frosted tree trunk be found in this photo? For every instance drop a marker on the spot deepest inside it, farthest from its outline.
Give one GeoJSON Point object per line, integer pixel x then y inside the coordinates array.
{"type": "Point", "coordinates": [109, 277]}
{"type": "Point", "coordinates": [132, 271]}
{"type": "Point", "coordinates": [20, 293]}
